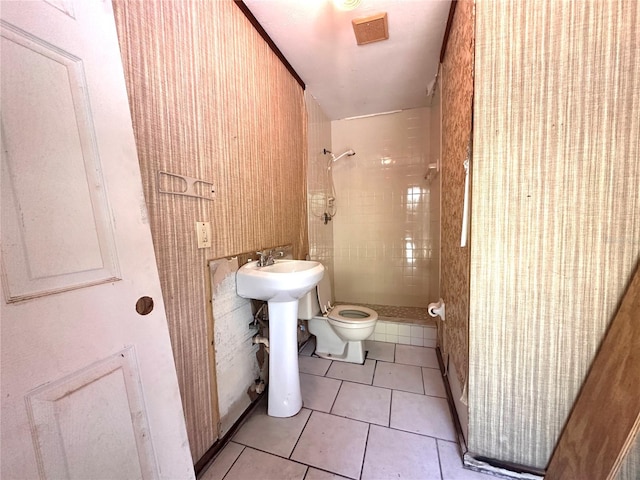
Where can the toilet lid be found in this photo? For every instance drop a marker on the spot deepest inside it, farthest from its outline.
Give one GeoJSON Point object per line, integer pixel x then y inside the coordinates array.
{"type": "Point", "coordinates": [353, 314]}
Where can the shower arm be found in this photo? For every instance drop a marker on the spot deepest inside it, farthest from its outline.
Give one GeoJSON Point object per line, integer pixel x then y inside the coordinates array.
{"type": "Point", "coordinates": [349, 153]}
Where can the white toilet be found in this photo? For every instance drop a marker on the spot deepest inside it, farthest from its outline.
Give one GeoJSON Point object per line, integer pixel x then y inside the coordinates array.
{"type": "Point", "coordinates": [340, 330]}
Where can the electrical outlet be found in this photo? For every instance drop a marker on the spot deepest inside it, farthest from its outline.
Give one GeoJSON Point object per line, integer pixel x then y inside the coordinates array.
{"type": "Point", "coordinates": [203, 231]}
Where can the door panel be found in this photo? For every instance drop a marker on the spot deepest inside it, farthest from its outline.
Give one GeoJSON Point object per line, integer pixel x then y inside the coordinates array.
{"type": "Point", "coordinates": [52, 183]}
{"type": "Point", "coordinates": [71, 436]}
{"type": "Point", "coordinates": [89, 387]}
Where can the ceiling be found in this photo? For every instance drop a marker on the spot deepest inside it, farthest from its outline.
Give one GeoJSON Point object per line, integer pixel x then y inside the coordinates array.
{"type": "Point", "coordinates": [349, 80]}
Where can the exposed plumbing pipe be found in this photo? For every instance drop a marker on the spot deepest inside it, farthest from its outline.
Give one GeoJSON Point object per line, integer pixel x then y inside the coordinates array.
{"type": "Point", "coordinates": [258, 317]}
{"type": "Point", "coordinates": [263, 340]}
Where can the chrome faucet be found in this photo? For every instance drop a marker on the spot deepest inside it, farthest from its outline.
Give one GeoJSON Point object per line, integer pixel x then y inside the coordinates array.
{"type": "Point", "coordinates": [266, 258]}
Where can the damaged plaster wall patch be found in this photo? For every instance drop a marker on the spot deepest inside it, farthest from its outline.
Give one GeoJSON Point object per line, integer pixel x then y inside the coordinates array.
{"type": "Point", "coordinates": [236, 364]}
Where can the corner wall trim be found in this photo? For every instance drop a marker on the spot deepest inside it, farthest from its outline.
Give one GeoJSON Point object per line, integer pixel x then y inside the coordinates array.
{"type": "Point", "coordinates": [501, 469]}
{"type": "Point", "coordinates": [254, 21]}
{"type": "Point", "coordinates": [462, 444]}
{"type": "Point", "coordinates": [447, 30]}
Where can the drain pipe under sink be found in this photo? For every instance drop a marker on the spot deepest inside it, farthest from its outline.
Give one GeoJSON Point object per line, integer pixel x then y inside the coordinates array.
{"type": "Point", "coordinates": [262, 340]}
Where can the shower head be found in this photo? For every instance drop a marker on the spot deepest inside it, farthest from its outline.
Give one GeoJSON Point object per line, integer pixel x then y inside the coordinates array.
{"type": "Point", "coordinates": [349, 153]}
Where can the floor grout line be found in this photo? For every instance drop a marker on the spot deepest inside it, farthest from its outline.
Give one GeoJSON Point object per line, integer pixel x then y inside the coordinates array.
{"type": "Point", "coordinates": [364, 453]}
{"type": "Point", "coordinates": [439, 461]}
{"type": "Point", "coordinates": [336, 397]}
{"type": "Point", "coordinates": [300, 436]}
{"type": "Point", "coordinates": [390, 408]}
{"type": "Point", "coordinates": [244, 447]}
{"type": "Point", "coordinates": [341, 389]}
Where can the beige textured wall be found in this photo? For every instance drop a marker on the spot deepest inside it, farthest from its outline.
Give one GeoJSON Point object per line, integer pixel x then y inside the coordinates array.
{"type": "Point", "coordinates": [210, 100]}
{"type": "Point", "coordinates": [457, 95]}
{"type": "Point", "coordinates": [556, 210]}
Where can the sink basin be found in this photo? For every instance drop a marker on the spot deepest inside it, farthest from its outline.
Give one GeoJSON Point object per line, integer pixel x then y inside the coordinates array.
{"type": "Point", "coordinates": [283, 281]}
{"type": "Point", "coordinates": [281, 285]}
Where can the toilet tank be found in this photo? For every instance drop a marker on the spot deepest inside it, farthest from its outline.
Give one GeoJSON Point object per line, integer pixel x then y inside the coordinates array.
{"type": "Point", "coordinates": [308, 306]}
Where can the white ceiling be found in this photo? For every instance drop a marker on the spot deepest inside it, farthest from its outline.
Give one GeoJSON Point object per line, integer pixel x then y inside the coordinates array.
{"type": "Point", "coordinates": [349, 80]}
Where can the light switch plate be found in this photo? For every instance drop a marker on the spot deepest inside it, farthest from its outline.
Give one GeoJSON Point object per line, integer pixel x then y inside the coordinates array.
{"type": "Point", "coordinates": [203, 231]}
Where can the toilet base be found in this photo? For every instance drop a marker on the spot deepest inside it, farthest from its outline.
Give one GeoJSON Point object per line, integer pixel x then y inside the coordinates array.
{"type": "Point", "coordinates": [354, 352]}
{"type": "Point", "coordinates": [331, 346]}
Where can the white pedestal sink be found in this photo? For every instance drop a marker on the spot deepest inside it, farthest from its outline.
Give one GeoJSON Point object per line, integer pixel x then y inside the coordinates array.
{"type": "Point", "coordinates": [281, 285]}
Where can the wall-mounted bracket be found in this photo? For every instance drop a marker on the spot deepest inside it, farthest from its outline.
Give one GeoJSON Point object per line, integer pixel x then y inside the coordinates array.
{"type": "Point", "coordinates": [205, 191]}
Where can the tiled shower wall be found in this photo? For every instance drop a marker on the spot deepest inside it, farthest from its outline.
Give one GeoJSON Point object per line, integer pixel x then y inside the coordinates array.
{"type": "Point", "coordinates": [385, 250]}
{"type": "Point", "coordinates": [318, 138]}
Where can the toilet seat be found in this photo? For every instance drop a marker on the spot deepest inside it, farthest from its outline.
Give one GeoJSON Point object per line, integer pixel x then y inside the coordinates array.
{"type": "Point", "coordinates": [340, 330]}
{"type": "Point", "coordinates": [345, 316]}
{"type": "Point", "coordinates": [351, 316]}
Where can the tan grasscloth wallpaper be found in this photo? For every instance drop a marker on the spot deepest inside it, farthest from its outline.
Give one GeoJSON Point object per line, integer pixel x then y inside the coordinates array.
{"type": "Point", "coordinates": [457, 98]}
{"type": "Point", "coordinates": [210, 100]}
{"type": "Point", "coordinates": [556, 210]}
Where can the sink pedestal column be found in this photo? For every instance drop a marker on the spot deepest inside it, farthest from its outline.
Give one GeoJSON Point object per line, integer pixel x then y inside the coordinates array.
{"type": "Point", "coordinates": [285, 399]}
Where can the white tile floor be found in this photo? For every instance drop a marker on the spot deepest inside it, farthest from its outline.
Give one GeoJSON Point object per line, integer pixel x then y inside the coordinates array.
{"type": "Point", "coordinates": [386, 419]}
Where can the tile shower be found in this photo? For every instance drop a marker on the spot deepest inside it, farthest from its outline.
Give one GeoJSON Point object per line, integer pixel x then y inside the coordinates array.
{"type": "Point", "coordinates": [383, 243]}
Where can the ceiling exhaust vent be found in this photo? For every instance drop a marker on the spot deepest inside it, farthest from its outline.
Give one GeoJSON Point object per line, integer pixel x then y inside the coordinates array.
{"type": "Point", "coordinates": [371, 29]}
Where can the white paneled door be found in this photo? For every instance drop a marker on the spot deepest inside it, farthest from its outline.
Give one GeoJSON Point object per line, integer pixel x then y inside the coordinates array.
{"type": "Point", "coordinates": [88, 384]}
